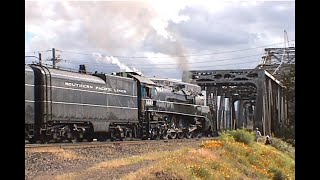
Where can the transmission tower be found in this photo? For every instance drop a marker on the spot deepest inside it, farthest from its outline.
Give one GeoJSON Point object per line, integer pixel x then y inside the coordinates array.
{"type": "Point", "coordinates": [278, 61]}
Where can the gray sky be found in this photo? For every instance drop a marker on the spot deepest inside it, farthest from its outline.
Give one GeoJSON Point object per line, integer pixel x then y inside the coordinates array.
{"type": "Point", "coordinates": [157, 38]}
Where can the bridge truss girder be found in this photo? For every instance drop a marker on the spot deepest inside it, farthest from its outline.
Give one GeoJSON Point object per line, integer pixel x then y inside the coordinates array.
{"type": "Point", "coordinates": [261, 98]}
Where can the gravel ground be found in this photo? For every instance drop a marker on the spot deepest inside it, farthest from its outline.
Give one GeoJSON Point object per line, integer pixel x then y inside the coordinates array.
{"type": "Point", "coordinates": [49, 162]}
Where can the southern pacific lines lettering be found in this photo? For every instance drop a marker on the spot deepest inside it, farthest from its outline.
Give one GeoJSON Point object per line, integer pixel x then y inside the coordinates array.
{"type": "Point", "coordinates": [102, 88]}
{"type": "Point", "coordinates": [78, 85]}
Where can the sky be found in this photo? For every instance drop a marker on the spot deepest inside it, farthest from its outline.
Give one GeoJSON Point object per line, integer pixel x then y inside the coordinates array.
{"type": "Point", "coordinates": [157, 38]}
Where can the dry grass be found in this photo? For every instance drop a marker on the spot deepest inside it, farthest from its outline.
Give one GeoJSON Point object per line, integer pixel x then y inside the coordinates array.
{"type": "Point", "coordinates": [221, 160]}
{"type": "Point", "coordinates": [213, 160]}
{"type": "Point", "coordinates": [117, 163]}
{"type": "Point", "coordinates": [69, 176]}
{"type": "Point", "coordinates": [129, 161]}
{"type": "Point", "coordinates": [60, 153]}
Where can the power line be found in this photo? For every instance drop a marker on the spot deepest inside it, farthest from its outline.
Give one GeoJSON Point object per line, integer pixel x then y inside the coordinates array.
{"type": "Point", "coordinates": [189, 55]}
{"type": "Point", "coordinates": [200, 66]}
{"type": "Point", "coordinates": [142, 68]}
{"type": "Point", "coordinates": [36, 51]}
{"type": "Point", "coordinates": [198, 62]}
{"type": "Point", "coordinates": [218, 60]}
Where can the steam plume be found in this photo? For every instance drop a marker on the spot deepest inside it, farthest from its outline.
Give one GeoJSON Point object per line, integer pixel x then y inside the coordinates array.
{"type": "Point", "coordinates": [115, 61]}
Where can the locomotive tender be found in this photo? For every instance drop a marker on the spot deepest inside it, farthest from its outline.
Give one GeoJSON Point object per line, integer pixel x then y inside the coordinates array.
{"type": "Point", "coordinates": [62, 105]}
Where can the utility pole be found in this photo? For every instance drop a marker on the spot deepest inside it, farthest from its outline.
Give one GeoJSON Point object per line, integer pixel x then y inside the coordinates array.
{"type": "Point", "coordinates": [54, 58]}
{"type": "Point", "coordinates": [40, 59]}
{"type": "Point", "coordinates": [36, 57]}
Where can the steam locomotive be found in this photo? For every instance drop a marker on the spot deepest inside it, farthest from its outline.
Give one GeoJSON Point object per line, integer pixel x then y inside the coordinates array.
{"type": "Point", "coordinates": [70, 106]}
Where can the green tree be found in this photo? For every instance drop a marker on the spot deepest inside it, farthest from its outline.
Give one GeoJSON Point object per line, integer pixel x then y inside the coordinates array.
{"type": "Point", "coordinates": [289, 82]}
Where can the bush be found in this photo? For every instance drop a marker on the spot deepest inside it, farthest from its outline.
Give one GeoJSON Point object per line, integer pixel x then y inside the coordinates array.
{"type": "Point", "coordinates": [290, 141]}
{"type": "Point", "coordinates": [201, 172]}
{"type": "Point", "coordinates": [227, 137]}
{"type": "Point", "coordinates": [278, 174]}
{"type": "Point", "coordinates": [283, 146]}
{"type": "Point", "coordinates": [241, 135]}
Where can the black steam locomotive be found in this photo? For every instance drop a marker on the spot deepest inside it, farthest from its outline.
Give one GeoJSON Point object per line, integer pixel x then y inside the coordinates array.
{"type": "Point", "coordinates": [62, 105]}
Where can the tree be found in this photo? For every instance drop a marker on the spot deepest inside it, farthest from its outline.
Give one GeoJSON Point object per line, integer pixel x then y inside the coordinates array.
{"type": "Point", "coordinates": [289, 82]}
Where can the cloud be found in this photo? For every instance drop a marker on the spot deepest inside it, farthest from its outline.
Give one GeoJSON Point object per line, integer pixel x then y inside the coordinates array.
{"type": "Point", "coordinates": [161, 30]}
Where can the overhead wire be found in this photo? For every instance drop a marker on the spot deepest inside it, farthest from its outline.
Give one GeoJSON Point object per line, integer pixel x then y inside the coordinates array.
{"type": "Point", "coordinates": [166, 64]}
{"type": "Point", "coordinates": [188, 55]}
{"type": "Point", "coordinates": [155, 67]}
{"type": "Point", "coordinates": [36, 51]}
{"type": "Point", "coordinates": [171, 56]}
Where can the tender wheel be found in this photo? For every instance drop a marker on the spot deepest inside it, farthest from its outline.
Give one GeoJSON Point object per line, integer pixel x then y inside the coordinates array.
{"type": "Point", "coordinates": [102, 138]}
{"type": "Point", "coordinates": [89, 139]}
{"type": "Point", "coordinates": [88, 136]}
{"type": "Point", "coordinates": [32, 140]}
{"type": "Point", "coordinates": [59, 140]}
{"type": "Point", "coordinates": [44, 139]}
{"type": "Point", "coordinates": [79, 139]}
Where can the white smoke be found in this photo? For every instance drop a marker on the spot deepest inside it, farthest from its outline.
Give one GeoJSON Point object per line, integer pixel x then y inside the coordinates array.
{"type": "Point", "coordinates": [115, 61]}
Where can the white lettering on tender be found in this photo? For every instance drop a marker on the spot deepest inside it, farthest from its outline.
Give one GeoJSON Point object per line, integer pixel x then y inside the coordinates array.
{"type": "Point", "coordinates": [102, 88]}
{"type": "Point", "coordinates": [78, 85]}
{"type": "Point", "coordinates": [120, 90]}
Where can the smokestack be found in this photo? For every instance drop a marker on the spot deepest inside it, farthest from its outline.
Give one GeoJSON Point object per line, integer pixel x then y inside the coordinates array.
{"type": "Point", "coordinates": [82, 69]}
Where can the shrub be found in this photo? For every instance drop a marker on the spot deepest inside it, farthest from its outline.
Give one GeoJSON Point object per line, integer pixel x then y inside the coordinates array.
{"type": "Point", "coordinates": [278, 174]}
{"type": "Point", "coordinates": [290, 141]}
{"type": "Point", "coordinates": [283, 146]}
{"type": "Point", "coordinates": [241, 135]}
{"type": "Point", "coordinates": [201, 172]}
{"type": "Point", "coordinates": [227, 137]}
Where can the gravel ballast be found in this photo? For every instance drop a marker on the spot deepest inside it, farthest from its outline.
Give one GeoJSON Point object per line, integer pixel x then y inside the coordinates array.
{"type": "Point", "coordinates": [49, 162]}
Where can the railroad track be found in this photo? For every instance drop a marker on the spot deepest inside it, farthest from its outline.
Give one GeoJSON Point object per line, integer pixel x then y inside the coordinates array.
{"type": "Point", "coordinates": [113, 143]}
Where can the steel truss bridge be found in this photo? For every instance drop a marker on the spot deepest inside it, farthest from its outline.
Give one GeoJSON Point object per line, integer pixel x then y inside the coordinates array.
{"type": "Point", "coordinates": [245, 98]}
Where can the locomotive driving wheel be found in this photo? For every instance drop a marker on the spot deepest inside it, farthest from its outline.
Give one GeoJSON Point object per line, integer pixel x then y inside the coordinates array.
{"type": "Point", "coordinates": [164, 135]}
{"type": "Point", "coordinates": [79, 139]}
{"type": "Point", "coordinates": [180, 135]}
{"type": "Point", "coordinates": [173, 135]}
{"type": "Point", "coordinates": [73, 138]}
{"type": "Point", "coordinates": [189, 135]}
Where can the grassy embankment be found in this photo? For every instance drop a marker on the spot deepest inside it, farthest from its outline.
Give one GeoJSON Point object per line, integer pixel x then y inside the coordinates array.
{"type": "Point", "coordinates": [234, 156]}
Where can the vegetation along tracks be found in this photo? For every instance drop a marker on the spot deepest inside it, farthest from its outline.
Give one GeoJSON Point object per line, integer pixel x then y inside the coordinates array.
{"type": "Point", "coordinates": [112, 143]}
